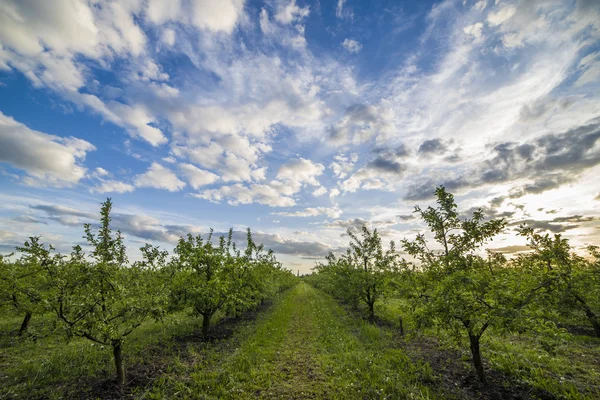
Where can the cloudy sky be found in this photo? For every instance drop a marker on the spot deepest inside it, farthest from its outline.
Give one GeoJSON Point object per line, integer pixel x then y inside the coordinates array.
{"type": "Point", "coordinates": [300, 119]}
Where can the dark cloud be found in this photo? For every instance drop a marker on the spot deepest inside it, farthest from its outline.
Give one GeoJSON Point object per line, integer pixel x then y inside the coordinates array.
{"type": "Point", "coordinates": [282, 245]}
{"type": "Point", "coordinates": [432, 146]}
{"type": "Point", "coordinates": [511, 249]}
{"type": "Point", "coordinates": [56, 210]}
{"type": "Point", "coordinates": [360, 113]}
{"type": "Point", "coordinates": [29, 219]}
{"type": "Point", "coordinates": [355, 225]}
{"type": "Point", "coordinates": [550, 161]}
{"type": "Point", "coordinates": [426, 189]}
{"type": "Point", "coordinates": [489, 212]}
{"type": "Point", "coordinates": [386, 165]}
{"type": "Point", "coordinates": [406, 217]}
{"type": "Point", "coordinates": [497, 201]}
{"type": "Point", "coordinates": [357, 115]}
{"type": "Point", "coordinates": [453, 158]}
{"type": "Point", "coordinates": [148, 228]}
{"type": "Point", "coordinates": [399, 151]}
{"type": "Point", "coordinates": [545, 225]}
{"type": "Point", "coordinates": [540, 185]}
{"type": "Point", "coordinates": [544, 107]}
{"type": "Point", "coordinates": [575, 218]}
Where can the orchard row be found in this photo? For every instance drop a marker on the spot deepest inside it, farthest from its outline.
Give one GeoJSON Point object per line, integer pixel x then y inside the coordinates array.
{"type": "Point", "coordinates": [448, 281]}
{"type": "Point", "coordinates": [102, 297]}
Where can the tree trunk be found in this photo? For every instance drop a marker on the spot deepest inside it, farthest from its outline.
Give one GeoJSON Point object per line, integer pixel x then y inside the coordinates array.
{"type": "Point", "coordinates": [476, 352]}
{"type": "Point", "coordinates": [372, 311]}
{"type": "Point", "coordinates": [25, 323]}
{"type": "Point", "coordinates": [117, 352]}
{"type": "Point", "coordinates": [593, 318]}
{"type": "Point", "coordinates": [401, 326]}
{"type": "Point", "coordinates": [205, 325]}
{"type": "Point", "coordinates": [595, 323]}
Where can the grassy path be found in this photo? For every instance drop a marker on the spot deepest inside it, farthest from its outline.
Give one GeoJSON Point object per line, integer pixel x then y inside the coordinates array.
{"type": "Point", "coordinates": [306, 347]}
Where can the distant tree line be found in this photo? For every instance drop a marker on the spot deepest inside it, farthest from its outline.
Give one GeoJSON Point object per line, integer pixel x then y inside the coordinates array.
{"type": "Point", "coordinates": [450, 282]}
{"type": "Point", "coordinates": [102, 297]}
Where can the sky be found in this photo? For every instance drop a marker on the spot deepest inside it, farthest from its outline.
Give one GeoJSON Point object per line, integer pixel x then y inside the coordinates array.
{"type": "Point", "coordinates": [298, 119]}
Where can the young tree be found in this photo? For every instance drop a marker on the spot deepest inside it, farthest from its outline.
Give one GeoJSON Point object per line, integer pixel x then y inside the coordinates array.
{"type": "Point", "coordinates": [258, 275]}
{"type": "Point", "coordinates": [204, 275]}
{"type": "Point", "coordinates": [464, 289]}
{"type": "Point", "coordinates": [339, 278]}
{"type": "Point", "coordinates": [573, 282]}
{"type": "Point", "coordinates": [363, 273]}
{"type": "Point", "coordinates": [23, 284]}
{"type": "Point", "coordinates": [374, 266]}
{"type": "Point", "coordinates": [104, 299]}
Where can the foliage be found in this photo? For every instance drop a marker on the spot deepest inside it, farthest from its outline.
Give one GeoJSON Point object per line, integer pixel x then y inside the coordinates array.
{"type": "Point", "coordinates": [572, 282]}
{"type": "Point", "coordinates": [103, 299]}
{"type": "Point", "coordinates": [465, 291]}
{"type": "Point", "coordinates": [23, 285]}
{"type": "Point", "coordinates": [211, 277]}
{"type": "Point", "coordinates": [363, 273]}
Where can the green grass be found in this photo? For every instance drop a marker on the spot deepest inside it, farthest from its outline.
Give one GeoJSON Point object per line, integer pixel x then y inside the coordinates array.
{"type": "Point", "coordinates": [305, 347]}
{"type": "Point", "coordinates": [567, 366]}
{"type": "Point", "coordinates": [43, 364]}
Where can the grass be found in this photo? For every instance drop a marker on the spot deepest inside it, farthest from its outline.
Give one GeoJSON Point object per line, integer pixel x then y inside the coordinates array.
{"type": "Point", "coordinates": [305, 345]}
{"type": "Point", "coordinates": [562, 366]}
{"type": "Point", "coordinates": [45, 365]}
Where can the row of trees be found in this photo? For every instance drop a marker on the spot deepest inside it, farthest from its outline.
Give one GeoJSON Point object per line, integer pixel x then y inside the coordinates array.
{"type": "Point", "coordinates": [104, 298]}
{"type": "Point", "coordinates": [450, 282]}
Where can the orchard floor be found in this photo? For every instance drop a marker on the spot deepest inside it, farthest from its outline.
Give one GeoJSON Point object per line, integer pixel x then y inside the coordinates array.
{"type": "Point", "coordinates": [302, 346]}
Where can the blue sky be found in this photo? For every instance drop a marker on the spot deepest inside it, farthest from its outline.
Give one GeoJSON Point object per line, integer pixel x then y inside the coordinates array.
{"type": "Point", "coordinates": [300, 119]}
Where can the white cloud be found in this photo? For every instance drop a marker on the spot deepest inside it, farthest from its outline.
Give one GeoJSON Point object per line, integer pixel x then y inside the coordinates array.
{"type": "Point", "coordinates": [301, 171]}
{"type": "Point", "coordinates": [139, 118]}
{"type": "Point", "coordinates": [168, 37]}
{"type": "Point", "coordinates": [368, 179]}
{"type": "Point", "coordinates": [217, 16]}
{"type": "Point", "coordinates": [197, 177]}
{"type": "Point", "coordinates": [112, 186]}
{"type": "Point", "coordinates": [266, 26]}
{"type": "Point", "coordinates": [502, 15]}
{"type": "Point", "coordinates": [590, 75]}
{"type": "Point", "coordinates": [159, 177]}
{"type": "Point", "coordinates": [361, 123]}
{"type": "Point", "coordinates": [340, 12]}
{"type": "Point", "coordinates": [313, 212]}
{"type": "Point", "coordinates": [480, 5]}
{"type": "Point", "coordinates": [290, 179]}
{"type": "Point", "coordinates": [352, 46]}
{"type": "Point", "coordinates": [48, 160]}
{"type": "Point", "coordinates": [102, 172]}
{"type": "Point", "coordinates": [161, 11]}
{"type": "Point", "coordinates": [286, 14]}
{"type": "Point", "coordinates": [320, 191]}
{"type": "Point", "coordinates": [343, 165]}
{"type": "Point", "coordinates": [474, 30]}
{"type": "Point", "coordinates": [240, 194]}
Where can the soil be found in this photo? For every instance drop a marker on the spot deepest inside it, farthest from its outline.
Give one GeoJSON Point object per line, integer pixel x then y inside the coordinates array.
{"type": "Point", "coordinates": [457, 377]}
{"type": "Point", "coordinates": [141, 375]}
